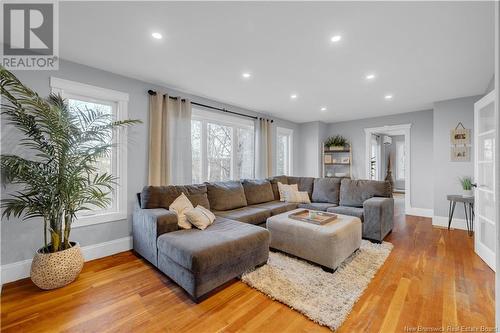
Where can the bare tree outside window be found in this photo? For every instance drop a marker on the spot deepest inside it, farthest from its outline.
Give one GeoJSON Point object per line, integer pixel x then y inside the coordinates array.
{"type": "Point", "coordinates": [222, 147]}
{"type": "Point", "coordinates": [220, 141]}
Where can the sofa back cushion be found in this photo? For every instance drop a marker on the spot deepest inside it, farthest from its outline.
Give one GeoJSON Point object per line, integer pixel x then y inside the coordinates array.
{"type": "Point", "coordinates": [274, 184]}
{"type": "Point", "coordinates": [257, 191]}
{"type": "Point", "coordinates": [354, 192]}
{"type": "Point", "coordinates": [326, 190]}
{"type": "Point", "coordinates": [226, 195]}
{"type": "Point", "coordinates": [163, 196]}
{"type": "Point", "coordinates": [304, 183]}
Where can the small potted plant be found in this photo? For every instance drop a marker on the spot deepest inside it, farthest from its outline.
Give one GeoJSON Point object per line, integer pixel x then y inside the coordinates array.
{"type": "Point", "coordinates": [337, 142]}
{"type": "Point", "coordinates": [467, 185]}
{"type": "Point", "coordinates": [60, 177]}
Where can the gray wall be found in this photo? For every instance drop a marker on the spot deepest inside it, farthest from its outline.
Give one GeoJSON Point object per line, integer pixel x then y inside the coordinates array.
{"type": "Point", "coordinates": [309, 141]}
{"type": "Point", "coordinates": [447, 114]}
{"type": "Point", "coordinates": [19, 241]}
{"type": "Point", "coordinates": [421, 149]}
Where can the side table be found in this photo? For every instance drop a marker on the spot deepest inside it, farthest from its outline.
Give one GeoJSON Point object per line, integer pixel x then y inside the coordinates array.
{"type": "Point", "coordinates": [468, 209]}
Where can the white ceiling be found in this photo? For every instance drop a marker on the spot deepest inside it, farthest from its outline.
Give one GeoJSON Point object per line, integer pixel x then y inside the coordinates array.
{"type": "Point", "coordinates": [420, 52]}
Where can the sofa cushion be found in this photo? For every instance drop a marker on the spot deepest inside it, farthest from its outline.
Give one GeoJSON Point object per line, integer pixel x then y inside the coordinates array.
{"type": "Point", "coordinates": [317, 205]}
{"type": "Point", "coordinates": [354, 192]}
{"type": "Point", "coordinates": [274, 184]}
{"type": "Point", "coordinates": [351, 211]}
{"type": "Point", "coordinates": [250, 215]}
{"type": "Point", "coordinates": [223, 243]}
{"type": "Point", "coordinates": [226, 195]}
{"type": "Point", "coordinates": [163, 196]}
{"type": "Point", "coordinates": [326, 190]}
{"type": "Point", "coordinates": [304, 184]}
{"type": "Point", "coordinates": [277, 207]}
{"type": "Point", "coordinates": [257, 191]}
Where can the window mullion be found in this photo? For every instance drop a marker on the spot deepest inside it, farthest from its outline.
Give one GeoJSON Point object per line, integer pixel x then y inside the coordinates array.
{"type": "Point", "coordinates": [204, 151]}
{"type": "Point", "coordinates": [233, 152]}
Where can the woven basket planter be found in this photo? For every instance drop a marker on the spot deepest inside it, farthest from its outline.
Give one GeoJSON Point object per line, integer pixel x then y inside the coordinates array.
{"type": "Point", "coordinates": [55, 270]}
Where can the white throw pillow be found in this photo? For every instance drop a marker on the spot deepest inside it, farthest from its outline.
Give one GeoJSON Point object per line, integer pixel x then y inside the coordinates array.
{"type": "Point", "coordinates": [180, 205]}
{"type": "Point", "coordinates": [284, 188]}
{"type": "Point", "coordinates": [199, 217]}
{"type": "Point", "coordinates": [297, 197]}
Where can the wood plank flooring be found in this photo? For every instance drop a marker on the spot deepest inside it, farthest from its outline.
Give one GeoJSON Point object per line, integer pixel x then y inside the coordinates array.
{"type": "Point", "coordinates": [431, 279]}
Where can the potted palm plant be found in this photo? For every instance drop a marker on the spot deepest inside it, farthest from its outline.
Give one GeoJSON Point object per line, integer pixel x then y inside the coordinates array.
{"type": "Point", "coordinates": [60, 178]}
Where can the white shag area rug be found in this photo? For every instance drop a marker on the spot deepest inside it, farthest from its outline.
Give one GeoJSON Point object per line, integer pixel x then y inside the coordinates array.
{"type": "Point", "coordinates": [326, 298]}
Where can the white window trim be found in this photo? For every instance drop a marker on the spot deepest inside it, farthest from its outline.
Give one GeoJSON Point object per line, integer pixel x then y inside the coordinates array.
{"type": "Point", "coordinates": [66, 87]}
{"type": "Point", "coordinates": [220, 119]}
{"type": "Point", "coordinates": [288, 132]}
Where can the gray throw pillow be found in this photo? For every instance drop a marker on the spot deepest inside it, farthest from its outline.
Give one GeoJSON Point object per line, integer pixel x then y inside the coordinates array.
{"type": "Point", "coordinates": [257, 191]}
{"type": "Point", "coordinates": [226, 195]}
{"type": "Point", "coordinates": [326, 190]}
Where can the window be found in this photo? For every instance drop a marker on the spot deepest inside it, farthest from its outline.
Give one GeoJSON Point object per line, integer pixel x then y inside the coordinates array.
{"type": "Point", "coordinates": [284, 151]}
{"type": "Point", "coordinates": [222, 147]}
{"type": "Point", "coordinates": [374, 157]}
{"type": "Point", "coordinates": [84, 97]}
{"type": "Point", "coordinates": [400, 160]}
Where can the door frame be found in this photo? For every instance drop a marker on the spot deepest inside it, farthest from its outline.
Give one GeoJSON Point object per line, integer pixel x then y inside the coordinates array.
{"type": "Point", "coordinates": [403, 129]}
{"type": "Point", "coordinates": [485, 253]}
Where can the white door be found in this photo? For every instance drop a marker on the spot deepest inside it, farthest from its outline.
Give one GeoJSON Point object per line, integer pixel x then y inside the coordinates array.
{"type": "Point", "coordinates": [484, 176]}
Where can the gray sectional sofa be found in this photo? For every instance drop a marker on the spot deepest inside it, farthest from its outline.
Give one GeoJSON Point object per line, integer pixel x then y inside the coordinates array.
{"type": "Point", "coordinates": [200, 261]}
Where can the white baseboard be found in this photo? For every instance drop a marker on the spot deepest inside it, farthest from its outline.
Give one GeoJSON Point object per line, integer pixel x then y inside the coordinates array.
{"type": "Point", "coordinates": [424, 212]}
{"type": "Point", "coordinates": [442, 221]}
{"type": "Point", "coordinates": [21, 269]}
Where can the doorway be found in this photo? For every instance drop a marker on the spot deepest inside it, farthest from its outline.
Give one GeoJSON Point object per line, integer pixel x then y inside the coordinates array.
{"type": "Point", "coordinates": [388, 158]}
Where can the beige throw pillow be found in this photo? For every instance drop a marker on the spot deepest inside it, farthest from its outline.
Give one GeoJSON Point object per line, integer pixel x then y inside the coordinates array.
{"type": "Point", "coordinates": [200, 217]}
{"type": "Point", "coordinates": [297, 197]}
{"type": "Point", "coordinates": [180, 206]}
{"type": "Point", "coordinates": [208, 213]}
{"type": "Point", "coordinates": [284, 188]}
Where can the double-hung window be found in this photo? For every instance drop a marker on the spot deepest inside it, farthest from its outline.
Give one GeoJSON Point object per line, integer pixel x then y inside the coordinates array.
{"type": "Point", "coordinates": [222, 147]}
{"type": "Point", "coordinates": [86, 97]}
{"type": "Point", "coordinates": [284, 140]}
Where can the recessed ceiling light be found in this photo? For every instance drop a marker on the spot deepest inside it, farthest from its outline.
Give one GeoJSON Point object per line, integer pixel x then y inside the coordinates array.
{"type": "Point", "coordinates": [323, 108]}
{"type": "Point", "coordinates": [246, 75]}
{"type": "Point", "coordinates": [388, 97]}
{"type": "Point", "coordinates": [370, 76]}
{"type": "Point", "coordinates": [293, 96]}
{"type": "Point", "coordinates": [336, 38]}
{"type": "Point", "coordinates": [157, 35]}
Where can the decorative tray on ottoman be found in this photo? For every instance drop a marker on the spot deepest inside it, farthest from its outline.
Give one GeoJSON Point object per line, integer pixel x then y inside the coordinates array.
{"type": "Point", "coordinates": [320, 218]}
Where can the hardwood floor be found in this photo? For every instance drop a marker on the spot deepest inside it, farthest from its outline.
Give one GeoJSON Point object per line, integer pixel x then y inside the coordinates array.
{"type": "Point", "coordinates": [432, 278]}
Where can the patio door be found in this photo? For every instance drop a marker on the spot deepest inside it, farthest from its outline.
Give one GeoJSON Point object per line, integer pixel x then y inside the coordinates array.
{"type": "Point", "coordinates": [485, 162]}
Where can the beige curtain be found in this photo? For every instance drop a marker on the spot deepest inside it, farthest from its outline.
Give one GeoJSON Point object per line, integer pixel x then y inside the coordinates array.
{"type": "Point", "coordinates": [263, 148]}
{"type": "Point", "coordinates": [169, 140]}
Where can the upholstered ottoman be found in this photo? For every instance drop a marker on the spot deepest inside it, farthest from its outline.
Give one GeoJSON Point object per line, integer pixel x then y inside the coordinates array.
{"type": "Point", "coordinates": [327, 245]}
{"type": "Point", "coordinates": [202, 260]}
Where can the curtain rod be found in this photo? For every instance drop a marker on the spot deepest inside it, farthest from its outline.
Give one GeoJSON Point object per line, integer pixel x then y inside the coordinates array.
{"type": "Point", "coordinates": [152, 93]}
